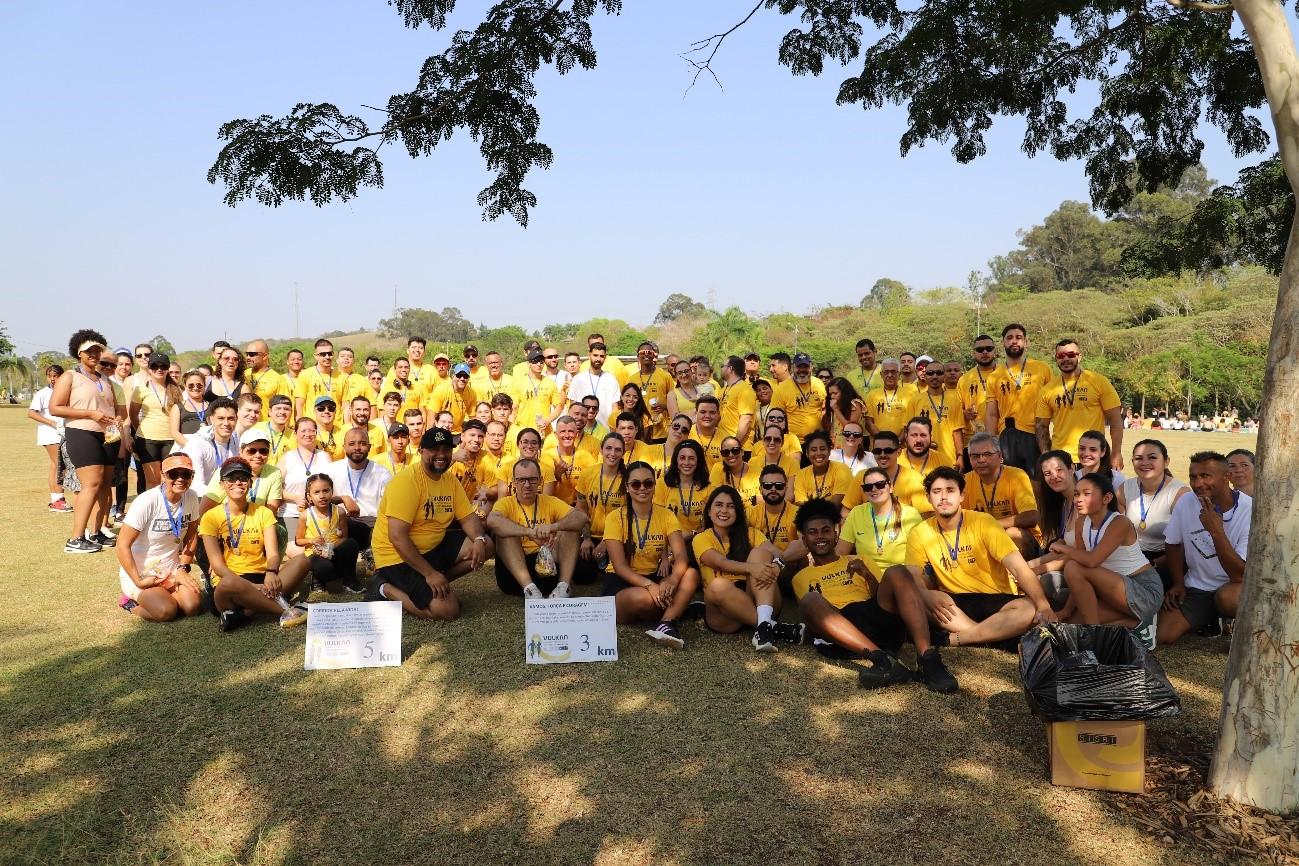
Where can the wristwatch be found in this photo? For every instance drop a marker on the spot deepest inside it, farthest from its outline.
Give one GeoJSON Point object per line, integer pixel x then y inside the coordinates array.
{"type": "Point", "coordinates": [778, 561]}
{"type": "Point", "coordinates": [185, 566]}
{"type": "Point", "coordinates": [483, 538]}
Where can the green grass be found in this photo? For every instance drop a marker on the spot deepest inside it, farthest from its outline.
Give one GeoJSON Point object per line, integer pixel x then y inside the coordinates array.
{"type": "Point", "coordinates": [132, 743]}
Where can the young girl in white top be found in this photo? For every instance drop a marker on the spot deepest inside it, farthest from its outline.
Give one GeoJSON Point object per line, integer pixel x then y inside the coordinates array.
{"type": "Point", "coordinates": [1148, 501]}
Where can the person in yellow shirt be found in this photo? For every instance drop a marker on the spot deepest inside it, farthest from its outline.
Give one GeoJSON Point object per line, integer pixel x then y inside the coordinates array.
{"type": "Point", "coordinates": [822, 478]}
{"type": "Point", "coordinates": [360, 413]}
{"type": "Point", "coordinates": [740, 569]}
{"type": "Point", "coordinates": [773, 516]}
{"type": "Point", "coordinates": [1011, 410]}
{"type": "Point", "coordinates": [946, 421]}
{"type": "Point", "coordinates": [649, 573]}
{"type": "Point", "coordinates": [527, 443]}
{"type": "Point", "coordinates": [907, 484]}
{"type": "Point", "coordinates": [400, 383]}
{"type": "Point", "coordinates": [659, 455]}
{"type": "Point", "coordinates": [681, 399]}
{"type": "Point", "coordinates": [494, 452]}
{"type": "Point", "coordinates": [329, 438]}
{"type": "Point", "coordinates": [655, 385]}
{"type": "Point", "coordinates": [738, 403]}
{"type": "Point", "coordinates": [354, 384]}
{"type": "Point", "coordinates": [857, 615]}
{"type": "Point", "coordinates": [918, 451]}
{"type": "Point", "coordinates": [390, 410]}
{"type": "Point", "coordinates": [866, 377]}
{"type": "Point", "coordinates": [456, 396]}
{"type": "Point", "coordinates": [628, 427]}
{"type": "Point", "coordinates": [441, 372]}
{"type": "Point", "coordinates": [685, 487]}
{"type": "Point", "coordinates": [417, 552]}
{"type": "Point", "coordinates": [375, 390]}
{"type": "Point", "coordinates": [1004, 492]}
{"type": "Point", "coordinates": [421, 374]}
{"type": "Point", "coordinates": [1078, 401]}
{"type": "Point", "coordinates": [150, 404]}
{"type": "Point", "coordinates": [261, 380]}
{"type": "Point", "coordinates": [414, 421]}
{"type": "Point", "coordinates": [774, 453]}
{"type": "Point", "coordinates": [522, 524]}
{"type": "Point", "coordinates": [277, 427]}
{"type": "Point", "coordinates": [734, 470]}
{"type": "Point", "coordinates": [802, 397]}
{"type": "Point", "coordinates": [521, 369]}
{"type": "Point", "coordinates": [321, 380]}
{"type": "Point", "coordinates": [397, 457]}
{"type": "Point", "coordinates": [909, 378]}
{"type": "Point", "coordinates": [467, 465]}
{"type": "Point", "coordinates": [535, 395]}
{"type": "Point", "coordinates": [599, 491]}
{"type": "Point", "coordinates": [706, 432]}
{"type": "Point", "coordinates": [887, 405]}
{"type": "Point", "coordinates": [568, 460]}
{"type": "Point", "coordinates": [973, 572]}
{"type": "Point", "coordinates": [876, 530]}
{"type": "Point", "coordinates": [973, 384]}
{"type": "Point", "coordinates": [293, 363]}
{"type": "Point", "coordinates": [496, 381]}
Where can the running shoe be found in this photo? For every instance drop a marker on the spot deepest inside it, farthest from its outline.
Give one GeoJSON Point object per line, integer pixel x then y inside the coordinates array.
{"type": "Point", "coordinates": [102, 539]}
{"type": "Point", "coordinates": [229, 620]}
{"type": "Point", "coordinates": [790, 632]}
{"type": "Point", "coordinates": [885, 671]}
{"type": "Point", "coordinates": [60, 506]}
{"type": "Point", "coordinates": [764, 637]}
{"type": "Point", "coordinates": [533, 591]}
{"type": "Point", "coordinates": [666, 634]}
{"type": "Point", "coordinates": [561, 590]}
{"type": "Point", "coordinates": [934, 674]}
{"type": "Point", "coordinates": [81, 545]}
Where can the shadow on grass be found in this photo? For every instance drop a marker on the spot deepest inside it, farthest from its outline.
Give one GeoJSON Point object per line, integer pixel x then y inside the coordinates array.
{"type": "Point", "coordinates": [178, 744]}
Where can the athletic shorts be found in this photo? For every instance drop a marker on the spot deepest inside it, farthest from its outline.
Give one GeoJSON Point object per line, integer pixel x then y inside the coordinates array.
{"type": "Point", "coordinates": [1020, 449]}
{"type": "Point", "coordinates": [506, 583]}
{"type": "Point", "coordinates": [86, 448]}
{"type": "Point", "coordinates": [1145, 594]}
{"type": "Point", "coordinates": [886, 630]}
{"type": "Point", "coordinates": [151, 450]}
{"type": "Point", "coordinates": [978, 606]}
{"type": "Point", "coordinates": [410, 581]}
{"type": "Point", "coordinates": [1199, 608]}
{"type": "Point", "coordinates": [613, 584]}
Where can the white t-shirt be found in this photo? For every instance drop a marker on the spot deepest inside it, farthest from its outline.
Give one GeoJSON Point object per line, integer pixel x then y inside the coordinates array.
{"type": "Point", "coordinates": [604, 386]}
{"type": "Point", "coordinates": [207, 456]}
{"type": "Point", "coordinates": [365, 486]}
{"type": "Point", "coordinates": [858, 464]}
{"type": "Point", "coordinates": [46, 435]}
{"type": "Point", "coordinates": [1203, 569]}
{"type": "Point", "coordinates": [157, 546]}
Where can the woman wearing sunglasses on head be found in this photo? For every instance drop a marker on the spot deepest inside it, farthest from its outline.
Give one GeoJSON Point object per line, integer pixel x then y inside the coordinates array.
{"type": "Point", "coordinates": [155, 547]}
{"type": "Point", "coordinates": [649, 573]}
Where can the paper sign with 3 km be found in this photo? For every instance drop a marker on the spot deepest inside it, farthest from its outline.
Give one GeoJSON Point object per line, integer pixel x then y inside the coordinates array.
{"type": "Point", "coordinates": [560, 631]}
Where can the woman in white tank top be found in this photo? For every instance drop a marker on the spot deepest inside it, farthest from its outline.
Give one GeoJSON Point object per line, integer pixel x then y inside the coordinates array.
{"type": "Point", "coordinates": [1058, 519]}
{"type": "Point", "coordinates": [1110, 580]}
{"type": "Point", "coordinates": [1148, 501]}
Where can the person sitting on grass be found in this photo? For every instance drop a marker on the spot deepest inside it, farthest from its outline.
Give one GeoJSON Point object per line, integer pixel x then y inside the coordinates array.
{"type": "Point", "coordinates": [524, 522]}
{"type": "Point", "coordinates": [773, 516]}
{"type": "Point", "coordinates": [966, 561]}
{"type": "Point", "coordinates": [246, 571]}
{"type": "Point", "coordinates": [858, 616]}
{"type": "Point", "coordinates": [1005, 492]}
{"type": "Point", "coordinates": [739, 570]}
{"type": "Point", "coordinates": [649, 574]}
{"type": "Point", "coordinates": [417, 553]}
{"type": "Point", "coordinates": [323, 534]}
{"type": "Point", "coordinates": [155, 547]}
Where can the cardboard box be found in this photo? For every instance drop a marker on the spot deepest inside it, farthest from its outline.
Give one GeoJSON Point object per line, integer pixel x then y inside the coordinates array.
{"type": "Point", "coordinates": [1100, 756]}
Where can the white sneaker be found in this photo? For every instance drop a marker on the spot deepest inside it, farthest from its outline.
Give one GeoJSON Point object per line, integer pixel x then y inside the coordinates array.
{"type": "Point", "coordinates": [561, 590]}
{"type": "Point", "coordinates": [1146, 631]}
{"type": "Point", "coordinates": [532, 591]}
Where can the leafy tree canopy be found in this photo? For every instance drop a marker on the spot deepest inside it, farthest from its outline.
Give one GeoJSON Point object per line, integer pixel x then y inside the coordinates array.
{"type": "Point", "coordinates": [678, 306]}
{"type": "Point", "coordinates": [436, 327]}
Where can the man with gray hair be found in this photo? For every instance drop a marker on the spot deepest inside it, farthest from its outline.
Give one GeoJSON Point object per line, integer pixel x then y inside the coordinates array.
{"type": "Point", "coordinates": [886, 406]}
{"type": "Point", "coordinates": [1002, 491]}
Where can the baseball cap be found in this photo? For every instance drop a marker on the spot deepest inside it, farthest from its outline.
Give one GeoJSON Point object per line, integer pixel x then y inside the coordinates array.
{"type": "Point", "coordinates": [159, 361]}
{"type": "Point", "coordinates": [122, 350]}
{"type": "Point", "coordinates": [399, 430]}
{"type": "Point", "coordinates": [471, 348]}
{"type": "Point", "coordinates": [924, 359]}
{"type": "Point", "coordinates": [461, 368]}
{"type": "Point", "coordinates": [254, 434]}
{"type": "Point", "coordinates": [325, 398]}
{"type": "Point", "coordinates": [176, 461]}
{"type": "Point", "coordinates": [277, 399]}
{"type": "Point", "coordinates": [436, 438]}
{"type": "Point", "coordinates": [236, 466]}
{"type": "Point", "coordinates": [802, 358]}
{"type": "Point", "coordinates": [441, 356]}
{"type": "Point", "coordinates": [536, 358]}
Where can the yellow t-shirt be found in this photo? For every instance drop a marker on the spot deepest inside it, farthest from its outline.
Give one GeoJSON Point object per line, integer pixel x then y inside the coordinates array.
{"type": "Point", "coordinates": [1074, 408]}
{"type": "Point", "coordinates": [946, 416]}
{"type": "Point", "coordinates": [266, 487]}
{"type": "Point", "coordinates": [803, 405]}
{"type": "Point", "coordinates": [486, 389]}
{"type": "Point", "coordinates": [533, 398]}
{"type": "Point", "coordinates": [908, 487]}
{"type": "Point", "coordinates": [547, 509]}
{"type": "Point", "coordinates": [747, 483]}
{"type": "Point", "coordinates": [973, 390]}
{"type": "Point", "coordinates": [1014, 388]}
{"type": "Point", "coordinates": [327, 529]}
{"type": "Point", "coordinates": [566, 481]}
{"type": "Point", "coordinates": [268, 384]}
{"type": "Point", "coordinates": [654, 388]}
{"type": "Point", "coordinates": [885, 543]}
{"type": "Point", "coordinates": [649, 539]}
{"type": "Point", "coordinates": [588, 442]}
{"type": "Point", "coordinates": [863, 383]}
{"type": "Point", "coordinates": [354, 385]}
{"type": "Point", "coordinates": [888, 410]}
{"type": "Point", "coordinates": [155, 423]}
{"type": "Point", "coordinates": [445, 398]}
{"type": "Point", "coordinates": [737, 400]}
{"type": "Point", "coordinates": [685, 406]}
{"type": "Point", "coordinates": [427, 504]}
{"type": "Point", "coordinates": [601, 495]}
{"type": "Point", "coordinates": [1010, 494]}
{"type": "Point", "coordinates": [412, 396]}
{"type": "Point", "coordinates": [712, 445]}
{"type": "Point", "coordinates": [505, 471]}
{"type": "Point", "coordinates": [312, 384]}
{"type": "Point", "coordinates": [687, 505]}
{"type": "Point", "coordinates": [707, 540]}
{"type": "Point", "coordinates": [981, 545]}
{"type": "Point", "coordinates": [837, 480]}
{"type": "Point", "coordinates": [281, 442]}
{"type": "Point", "coordinates": [779, 530]}
{"type": "Point", "coordinates": [385, 460]}
{"type": "Point", "coordinates": [242, 537]}
{"type": "Point", "coordinates": [834, 581]}
{"type": "Point", "coordinates": [789, 462]}
{"type": "Point", "coordinates": [329, 440]}
{"type": "Point", "coordinates": [659, 456]}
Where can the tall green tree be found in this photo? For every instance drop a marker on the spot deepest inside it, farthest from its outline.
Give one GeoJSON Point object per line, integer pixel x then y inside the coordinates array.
{"type": "Point", "coordinates": [1072, 249]}
{"type": "Point", "coordinates": [886, 294]}
{"type": "Point", "coordinates": [1158, 69]}
{"type": "Point", "coordinates": [448, 325]}
{"type": "Point", "coordinates": [678, 306]}
{"type": "Point", "coordinates": [731, 332]}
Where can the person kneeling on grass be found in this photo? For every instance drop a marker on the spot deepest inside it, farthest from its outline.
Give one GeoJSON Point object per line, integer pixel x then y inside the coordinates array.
{"type": "Point", "coordinates": [649, 574]}
{"type": "Point", "coordinates": [739, 570]}
{"type": "Point", "coordinates": [843, 603]}
{"type": "Point", "coordinates": [525, 522]}
{"type": "Point", "coordinates": [964, 560]}
{"type": "Point", "coordinates": [324, 535]}
{"type": "Point", "coordinates": [417, 553]}
{"type": "Point", "coordinates": [155, 547]}
{"type": "Point", "coordinates": [243, 552]}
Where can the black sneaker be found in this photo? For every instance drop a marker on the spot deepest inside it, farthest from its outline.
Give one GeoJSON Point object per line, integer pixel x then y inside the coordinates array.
{"type": "Point", "coordinates": [934, 674]}
{"type": "Point", "coordinates": [102, 540]}
{"type": "Point", "coordinates": [764, 637]}
{"type": "Point", "coordinates": [666, 634]}
{"type": "Point", "coordinates": [694, 610]}
{"type": "Point", "coordinates": [354, 586]}
{"type": "Point", "coordinates": [791, 632]}
{"type": "Point", "coordinates": [81, 545]}
{"type": "Point", "coordinates": [885, 671]}
{"type": "Point", "coordinates": [232, 619]}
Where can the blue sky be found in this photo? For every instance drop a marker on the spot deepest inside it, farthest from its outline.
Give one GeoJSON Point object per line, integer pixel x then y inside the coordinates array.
{"type": "Point", "coordinates": [766, 195]}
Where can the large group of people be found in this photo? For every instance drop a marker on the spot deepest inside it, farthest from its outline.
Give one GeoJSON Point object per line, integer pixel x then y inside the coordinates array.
{"type": "Point", "coordinates": [911, 500]}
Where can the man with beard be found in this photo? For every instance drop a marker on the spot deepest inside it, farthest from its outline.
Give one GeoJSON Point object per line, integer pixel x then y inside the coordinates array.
{"type": "Point", "coordinates": [946, 424]}
{"type": "Point", "coordinates": [973, 385]}
{"type": "Point", "coordinates": [1080, 400]}
{"type": "Point", "coordinates": [570, 460]}
{"type": "Point", "coordinates": [918, 441]}
{"type": "Point", "coordinates": [536, 397]}
{"type": "Point", "coordinates": [359, 483]}
{"type": "Point", "coordinates": [1011, 410]}
{"type": "Point", "coordinates": [655, 384]}
{"type": "Point", "coordinates": [908, 485]}
{"type": "Point", "coordinates": [417, 551]}
{"type": "Point", "coordinates": [456, 396]}
{"type": "Point", "coordinates": [361, 410]}
{"type": "Point", "coordinates": [320, 381]}
{"type": "Point", "coordinates": [738, 402]}
{"type": "Point", "coordinates": [909, 378]}
{"type": "Point", "coordinates": [773, 516]}
{"type": "Point", "coordinates": [599, 383]}
{"type": "Point", "coordinates": [801, 396]}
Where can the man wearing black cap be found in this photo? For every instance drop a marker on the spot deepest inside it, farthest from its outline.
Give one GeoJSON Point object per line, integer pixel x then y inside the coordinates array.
{"type": "Point", "coordinates": [521, 368]}
{"type": "Point", "coordinates": [802, 396]}
{"type": "Point", "coordinates": [417, 552]}
{"type": "Point", "coordinates": [535, 396]}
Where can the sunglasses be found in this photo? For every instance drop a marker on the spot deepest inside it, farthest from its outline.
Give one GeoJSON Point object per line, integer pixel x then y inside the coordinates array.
{"type": "Point", "coordinates": [180, 475]}
{"type": "Point", "coordinates": [326, 407]}
{"type": "Point", "coordinates": [883, 452]}
{"type": "Point", "coordinates": [869, 486]}
{"type": "Point", "coordinates": [551, 357]}
{"type": "Point", "coordinates": [640, 484]}
{"type": "Point", "coordinates": [462, 375]}
{"type": "Point", "coordinates": [143, 354]}
{"type": "Point", "coordinates": [985, 348]}
{"type": "Point", "coordinates": [774, 440]}
{"type": "Point", "coordinates": [773, 485]}
{"type": "Point", "coordinates": [1063, 355]}
{"type": "Point", "coordinates": [933, 372]}
{"type": "Point", "coordinates": [730, 452]}
{"type": "Point", "coordinates": [242, 480]}
{"type": "Point", "coordinates": [324, 354]}
{"type": "Point", "coordinates": [257, 451]}
{"type": "Point", "coordinates": [194, 386]}
{"type": "Point", "coordinates": [850, 434]}
{"type": "Point", "coordinates": [680, 428]}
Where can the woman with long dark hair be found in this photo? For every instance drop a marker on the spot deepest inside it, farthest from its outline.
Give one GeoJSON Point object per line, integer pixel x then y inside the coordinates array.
{"type": "Point", "coordinates": [1148, 500]}
{"type": "Point", "coordinates": [228, 378]}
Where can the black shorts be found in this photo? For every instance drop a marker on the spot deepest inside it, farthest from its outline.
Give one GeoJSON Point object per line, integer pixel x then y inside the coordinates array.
{"type": "Point", "coordinates": [613, 584]}
{"type": "Point", "coordinates": [886, 630]}
{"type": "Point", "coordinates": [410, 581]}
{"type": "Point", "coordinates": [86, 449]}
{"type": "Point", "coordinates": [978, 606]}
{"type": "Point", "coordinates": [1020, 448]}
{"type": "Point", "coordinates": [151, 450]}
{"type": "Point", "coordinates": [506, 583]}
{"type": "Point", "coordinates": [1199, 607]}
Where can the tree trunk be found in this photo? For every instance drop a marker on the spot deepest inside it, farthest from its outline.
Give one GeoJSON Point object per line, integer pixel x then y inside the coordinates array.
{"type": "Point", "coordinates": [1257, 757]}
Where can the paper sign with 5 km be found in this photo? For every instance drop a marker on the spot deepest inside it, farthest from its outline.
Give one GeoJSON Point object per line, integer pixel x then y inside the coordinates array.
{"type": "Point", "coordinates": [363, 634]}
{"type": "Point", "coordinates": [560, 631]}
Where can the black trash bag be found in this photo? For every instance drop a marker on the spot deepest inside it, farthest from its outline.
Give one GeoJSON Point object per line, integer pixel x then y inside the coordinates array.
{"type": "Point", "coordinates": [1077, 673]}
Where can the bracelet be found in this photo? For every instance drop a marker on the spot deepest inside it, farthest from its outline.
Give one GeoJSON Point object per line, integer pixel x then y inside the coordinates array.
{"type": "Point", "coordinates": [483, 538]}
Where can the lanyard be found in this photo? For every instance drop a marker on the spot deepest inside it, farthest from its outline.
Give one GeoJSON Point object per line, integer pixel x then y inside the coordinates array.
{"type": "Point", "coordinates": [201, 413]}
{"type": "Point", "coordinates": [819, 488]}
{"type": "Point", "coordinates": [940, 407]}
{"type": "Point", "coordinates": [768, 530]}
{"type": "Point", "coordinates": [252, 494]}
{"type": "Point", "coordinates": [328, 386]}
{"type": "Point", "coordinates": [641, 537]}
{"type": "Point", "coordinates": [954, 550]}
{"type": "Point", "coordinates": [276, 444]}
{"type": "Point", "coordinates": [888, 404]}
{"type": "Point", "coordinates": [217, 451]}
{"type": "Point", "coordinates": [175, 521]}
{"type": "Point", "coordinates": [852, 467]}
{"type": "Point", "coordinates": [311, 512]}
{"type": "Point", "coordinates": [354, 486]}
{"type": "Point", "coordinates": [866, 382]}
{"type": "Point", "coordinates": [1094, 536]}
{"type": "Point", "coordinates": [803, 399]}
{"type": "Point", "coordinates": [230, 392]}
{"type": "Point", "coordinates": [1067, 395]}
{"type": "Point", "coordinates": [921, 470]}
{"type": "Point", "coordinates": [306, 464]}
{"type": "Point", "coordinates": [534, 521]}
{"type": "Point", "coordinates": [232, 536]}
{"type": "Point", "coordinates": [162, 404]}
{"type": "Point", "coordinates": [1141, 496]}
{"type": "Point", "coordinates": [605, 494]}
{"type": "Point", "coordinates": [97, 379]}
{"type": "Point", "coordinates": [987, 503]}
{"type": "Point", "coordinates": [1235, 503]}
{"type": "Point", "coordinates": [253, 383]}
{"type": "Point", "coordinates": [879, 539]}
{"type": "Point", "coordinates": [686, 504]}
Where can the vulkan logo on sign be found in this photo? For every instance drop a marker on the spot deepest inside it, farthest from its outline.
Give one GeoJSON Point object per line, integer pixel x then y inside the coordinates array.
{"type": "Point", "coordinates": [1098, 739]}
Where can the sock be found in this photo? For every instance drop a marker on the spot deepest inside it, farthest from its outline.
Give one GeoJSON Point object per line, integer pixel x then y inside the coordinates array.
{"type": "Point", "coordinates": [765, 613]}
{"type": "Point", "coordinates": [532, 591]}
{"type": "Point", "coordinates": [55, 497]}
{"type": "Point", "coordinates": [562, 583]}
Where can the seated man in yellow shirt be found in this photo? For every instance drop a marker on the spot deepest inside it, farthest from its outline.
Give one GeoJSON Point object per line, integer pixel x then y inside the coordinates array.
{"type": "Point", "coordinates": [856, 617]}
{"type": "Point", "coordinates": [1005, 492]}
{"type": "Point", "coordinates": [970, 570]}
{"type": "Point", "coordinates": [526, 521]}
